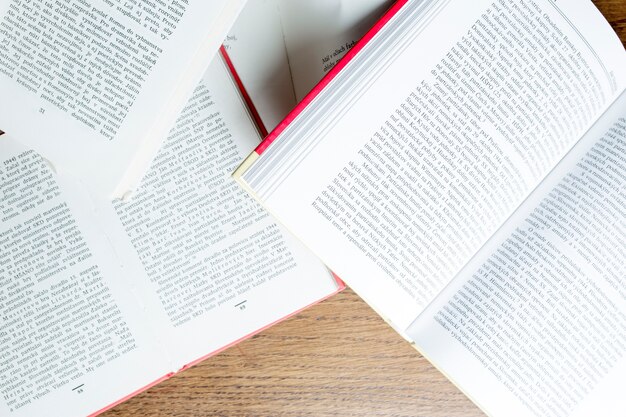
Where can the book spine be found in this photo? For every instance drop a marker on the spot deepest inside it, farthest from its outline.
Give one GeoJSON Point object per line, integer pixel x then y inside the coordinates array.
{"type": "Point", "coordinates": [393, 10]}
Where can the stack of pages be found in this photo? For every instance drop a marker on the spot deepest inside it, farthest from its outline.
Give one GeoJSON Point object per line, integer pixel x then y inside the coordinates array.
{"type": "Point", "coordinates": [461, 165]}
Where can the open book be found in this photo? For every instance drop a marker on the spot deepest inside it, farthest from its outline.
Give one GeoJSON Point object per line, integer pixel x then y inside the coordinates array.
{"type": "Point", "coordinates": [428, 170]}
{"type": "Point", "coordinates": [95, 85]}
{"type": "Point", "coordinates": [101, 299]}
{"type": "Point", "coordinates": [282, 48]}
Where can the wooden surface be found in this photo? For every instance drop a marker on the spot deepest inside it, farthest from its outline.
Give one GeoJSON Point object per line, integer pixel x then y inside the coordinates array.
{"type": "Point", "coordinates": [335, 359]}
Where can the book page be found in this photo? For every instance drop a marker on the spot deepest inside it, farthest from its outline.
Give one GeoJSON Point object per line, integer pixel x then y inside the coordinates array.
{"type": "Point", "coordinates": [99, 299]}
{"type": "Point", "coordinates": [209, 262]}
{"type": "Point", "coordinates": [535, 325]}
{"type": "Point", "coordinates": [256, 46]}
{"type": "Point", "coordinates": [103, 79]}
{"type": "Point", "coordinates": [319, 33]}
{"type": "Point", "coordinates": [72, 336]}
{"type": "Point", "coordinates": [428, 140]}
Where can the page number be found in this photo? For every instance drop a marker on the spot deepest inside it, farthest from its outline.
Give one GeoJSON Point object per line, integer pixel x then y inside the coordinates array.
{"type": "Point", "coordinates": [42, 110]}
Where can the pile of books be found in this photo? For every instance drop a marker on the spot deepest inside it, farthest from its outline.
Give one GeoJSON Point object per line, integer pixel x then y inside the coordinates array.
{"type": "Point", "coordinates": [461, 165]}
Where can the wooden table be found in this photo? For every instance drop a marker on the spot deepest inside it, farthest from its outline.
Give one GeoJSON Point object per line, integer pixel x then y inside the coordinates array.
{"type": "Point", "coordinates": [335, 359]}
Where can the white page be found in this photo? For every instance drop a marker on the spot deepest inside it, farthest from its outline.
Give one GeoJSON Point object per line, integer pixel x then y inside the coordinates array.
{"type": "Point", "coordinates": [59, 279]}
{"type": "Point", "coordinates": [319, 33]}
{"type": "Point", "coordinates": [188, 192]}
{"type": "Point", "coordinates": [581, 296]}
{"type": "Point", "coordinates": [306, 179]}
{"type": "Point", "coordinates": [67, 61]}
{"type": "Point", "coordinates": [256, 46]}
{"type": "Point", "coordinates": [188, 214]}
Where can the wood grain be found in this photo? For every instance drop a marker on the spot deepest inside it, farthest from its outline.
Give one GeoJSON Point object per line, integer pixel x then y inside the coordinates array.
{"type": "Point", "coordinates": [335, 359]}
{"type": "Point", "coordinates": [615, 12]}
